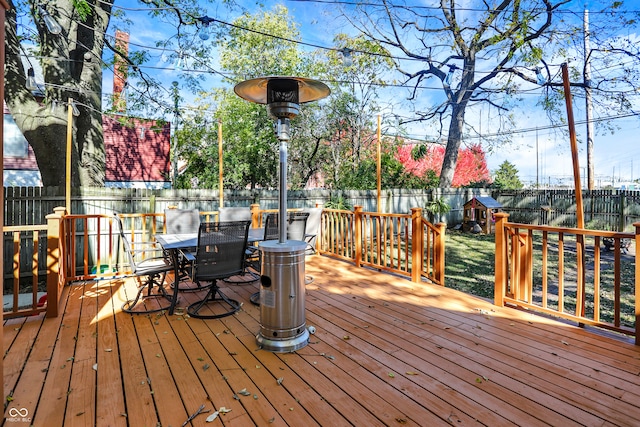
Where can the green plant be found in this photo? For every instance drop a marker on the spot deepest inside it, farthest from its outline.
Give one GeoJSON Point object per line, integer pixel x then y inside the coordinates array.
{"type": "Point", "coordinates": [437, 207]}
{"type": "Point", "coordinates": [338, 202]}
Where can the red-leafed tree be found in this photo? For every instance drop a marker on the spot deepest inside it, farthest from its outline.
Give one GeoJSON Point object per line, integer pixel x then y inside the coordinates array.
{"type": "Point", "coordinates": [471, 167]}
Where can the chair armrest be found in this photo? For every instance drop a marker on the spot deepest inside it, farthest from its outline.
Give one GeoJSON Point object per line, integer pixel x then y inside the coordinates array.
{"type": "Point", "coordinates": [149, 244]}
{"type": "Point", "coordinates": [145, 247]}
{"type": "Point", "coordinates": [188, 256]}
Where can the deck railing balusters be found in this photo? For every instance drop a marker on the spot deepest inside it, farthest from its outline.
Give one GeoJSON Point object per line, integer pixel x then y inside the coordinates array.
{"type": "Point", "coordinates": [402, 243]}
{"type": "Point", "coordinates": [564, 284]}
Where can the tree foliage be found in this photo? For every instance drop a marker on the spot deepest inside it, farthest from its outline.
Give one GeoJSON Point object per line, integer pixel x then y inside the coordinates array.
{"type": "Point", "coordinates": [479, 54]}
{"type": "Point", "coordinates": [506, 177]}
{"type": "Point", "coordinates": [330, 142]}
{"type": "Point", "coordinates": [351, 110]}
{"type": "Point", "coordinates": [250, 153]}
{"type": "Point", "coordinates": [72, 64]}
{"type": "Point", "coordinates": [471, 167]}
{"type": "Point", "coordinates": [482, 53]}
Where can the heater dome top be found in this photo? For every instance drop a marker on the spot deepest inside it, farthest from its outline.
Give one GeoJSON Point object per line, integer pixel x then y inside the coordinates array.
{"type": "Point", "coordinates": [257, 90]}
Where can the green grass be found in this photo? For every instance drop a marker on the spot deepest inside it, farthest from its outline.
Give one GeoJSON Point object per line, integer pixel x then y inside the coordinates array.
{"type": "Point", "coordinates": [469, 263]}
{"type": "Point", "coordinates": [470, 268]}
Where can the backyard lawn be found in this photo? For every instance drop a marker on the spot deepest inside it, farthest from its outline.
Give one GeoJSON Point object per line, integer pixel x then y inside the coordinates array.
{"type": "Point", "coordinates": [470, 264]}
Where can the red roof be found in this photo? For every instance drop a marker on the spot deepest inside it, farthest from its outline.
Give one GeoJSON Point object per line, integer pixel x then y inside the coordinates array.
{"type": "Point", "coordinates": [22, 163]}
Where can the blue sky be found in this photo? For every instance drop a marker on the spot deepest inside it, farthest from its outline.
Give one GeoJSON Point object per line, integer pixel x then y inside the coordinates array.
{"type": "Point", "coordinates": [613, 154]}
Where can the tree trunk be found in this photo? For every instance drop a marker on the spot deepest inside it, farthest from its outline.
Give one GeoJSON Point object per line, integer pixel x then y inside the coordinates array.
{"type": "Point", "coordinates": [71, 68]}
{"type": "Point", "coordinates": [454, 141]}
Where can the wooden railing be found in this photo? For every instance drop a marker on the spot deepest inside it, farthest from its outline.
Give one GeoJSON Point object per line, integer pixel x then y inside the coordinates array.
{"type": "Point", "coordinates": [566, 272]}
{"type": "Point", "coordinates": [28, 247]}
{"type": "Point", "coordinates": [87, 247]}
{"type": "Point", "coordinates": [94, 248]}
{"type": "Point", "coordinates": [405, 244]}
{"type": "Point", "coordinates": [35, 275]}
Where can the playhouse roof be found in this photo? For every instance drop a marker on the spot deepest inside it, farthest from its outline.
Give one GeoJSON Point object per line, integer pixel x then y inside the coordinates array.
{"type": "Point", "coordinates": [486, 201]}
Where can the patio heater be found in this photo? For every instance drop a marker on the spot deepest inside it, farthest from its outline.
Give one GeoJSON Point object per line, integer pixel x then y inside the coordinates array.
{"type": "Point", "coordinates": [282, 287]}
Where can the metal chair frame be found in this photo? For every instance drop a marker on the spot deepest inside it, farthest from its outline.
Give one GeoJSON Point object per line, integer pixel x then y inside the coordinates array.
{"type": "Point", "coordinates": [145, 262]}
{"type": "Point", "coordinates": [296, 226]}
{"type": "Point", "coordinates": [236, 213]}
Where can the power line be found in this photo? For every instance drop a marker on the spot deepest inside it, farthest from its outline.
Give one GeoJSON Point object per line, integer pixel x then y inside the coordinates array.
{"type": "Point", "coordinates": [461, 9]}
{"type": "Point", "coordinates": [533, 129]}
{"type": "Point", "coordinates": [228, 75]}
{"type": "Point", "coordinates": [314, 45]}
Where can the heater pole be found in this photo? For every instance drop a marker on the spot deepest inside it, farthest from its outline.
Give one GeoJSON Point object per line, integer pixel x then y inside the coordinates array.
{"type": "Point", "coordinates": [282, 274]}
{"type": "Point", "coordinates": [283, 137]}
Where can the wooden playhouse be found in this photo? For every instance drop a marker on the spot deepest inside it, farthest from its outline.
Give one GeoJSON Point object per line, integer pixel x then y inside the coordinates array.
{"type": "Point", "coordinates": [479, 211]}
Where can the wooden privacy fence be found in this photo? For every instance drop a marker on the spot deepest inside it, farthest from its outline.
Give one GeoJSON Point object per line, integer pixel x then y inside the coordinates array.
{"type": "Point", "coordinates": [88, 247]}
{"type": "Point", "coordinates": [570, 273]}
{"type": "Point", "coordinates": [614, 210]}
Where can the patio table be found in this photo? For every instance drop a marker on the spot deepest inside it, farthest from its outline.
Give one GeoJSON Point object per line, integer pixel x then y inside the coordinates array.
{"type": "Point", "coordinates": [173, 243]}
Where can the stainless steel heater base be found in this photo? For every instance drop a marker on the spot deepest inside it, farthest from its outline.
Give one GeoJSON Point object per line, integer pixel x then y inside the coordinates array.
{"type": "Point", "coordinates": [283, 326]}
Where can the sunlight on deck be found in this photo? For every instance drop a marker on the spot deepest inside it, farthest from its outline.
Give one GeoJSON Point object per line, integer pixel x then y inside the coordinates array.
{"type": "Point", "coordinates": [386, 352]}
{"type": "Point", "coordinates": [117, 289]}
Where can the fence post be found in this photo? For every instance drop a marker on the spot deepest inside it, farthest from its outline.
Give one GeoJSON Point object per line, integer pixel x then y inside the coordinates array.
{"type": "Point", "coordinates": [255, 215]}
{"type": "Point", "coordinates": [637, 281]}
{"type": "Point", "coordinates": [56, 261]}
{"type": "Point", "coordinates": [500, 286]}
{"type": "Point", "coordinates": [357, 233]}
{"type": "Point", "coordinates": [438, 262]}
{"type": "Point", "coordinates": [417, 244]}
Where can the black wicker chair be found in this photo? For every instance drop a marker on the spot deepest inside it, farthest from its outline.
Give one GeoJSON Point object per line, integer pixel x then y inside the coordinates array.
{"type": "Point", "coordinates": [235, 213]}
{"type": "Point", "coordinates": [220, 254]}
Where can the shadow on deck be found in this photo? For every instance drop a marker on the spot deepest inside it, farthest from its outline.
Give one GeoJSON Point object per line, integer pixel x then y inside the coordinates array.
{"type": "Point", "coordinates": [386, 351]}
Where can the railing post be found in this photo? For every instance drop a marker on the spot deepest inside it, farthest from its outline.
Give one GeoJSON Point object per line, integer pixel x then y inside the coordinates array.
{"type": "Point", "coordinates": [255, 215]}
{"type": "Point", "coordinates": [438, 262]}
{"type": "Point", "coordinates": [357, 233]}
{"type": "Point", "coordinates": [637, 282]}
{"type": "Point", "coordinates": [56, 260]}
{"type": "Point", "coordinates": [524, 279]}
{"type": "Point", "coordinates": [417, 244]}
{"type": "Point", "coordinates": [500, 287]}
{"type": "Point", "coordinates": [318, 239]}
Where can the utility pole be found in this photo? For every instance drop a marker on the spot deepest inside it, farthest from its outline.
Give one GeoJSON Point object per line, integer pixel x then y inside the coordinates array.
{"type": "Point", "coordinates": [587, 93]}
{"type": "Point", "coordinates": [574, 146]}
{"type": "Point", "coordinates": [174, 148]}
{"type": "Point", "coordinates": [537, 162]}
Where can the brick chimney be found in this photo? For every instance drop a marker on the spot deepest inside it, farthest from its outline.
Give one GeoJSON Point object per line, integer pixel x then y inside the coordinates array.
{"type": "Point", "coordinates": [120, 71]}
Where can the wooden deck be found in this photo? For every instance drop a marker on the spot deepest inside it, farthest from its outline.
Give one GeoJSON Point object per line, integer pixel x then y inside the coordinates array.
{"type": "Point", "coordinates": [386, 352]}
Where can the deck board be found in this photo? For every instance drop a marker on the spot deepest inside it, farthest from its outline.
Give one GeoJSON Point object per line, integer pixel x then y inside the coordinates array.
{"type": "Point", "coordinates": [110, 404]}
{"type": "Point", "coordinates": [468, 366]}
{"type": "Point", "coordinates": [386, 352]}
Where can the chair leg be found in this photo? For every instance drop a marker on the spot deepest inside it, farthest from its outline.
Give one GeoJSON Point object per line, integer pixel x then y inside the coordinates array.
{"type": "Point", "coordinates": [255, 298]}
{"type": "Point", "coordinates": [185, 277]}
{"type": "Point", "coordinates": [152, 280]}
{"type": "Point", "coordinates": [214, 290]}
